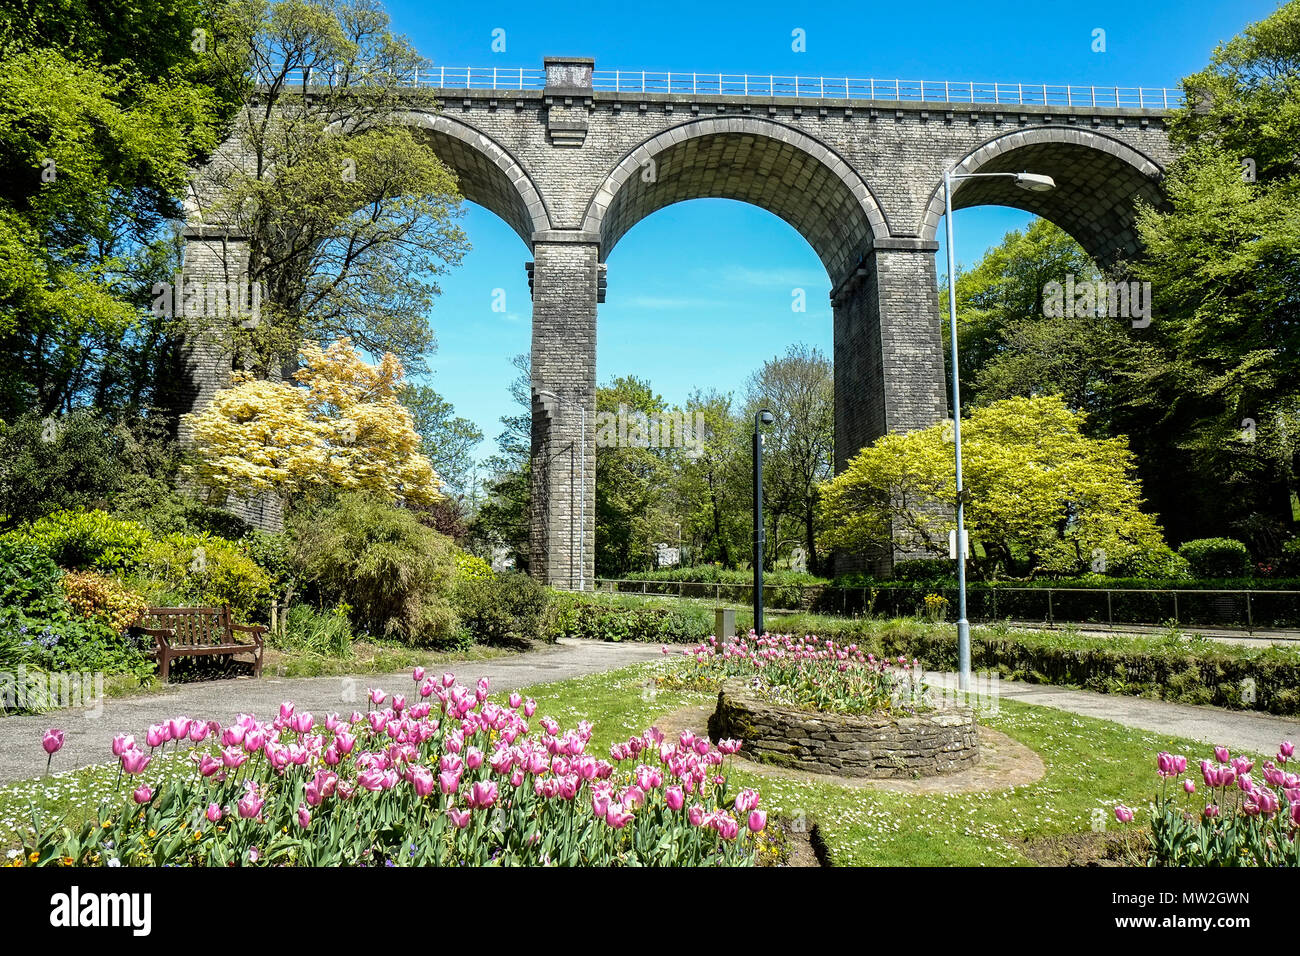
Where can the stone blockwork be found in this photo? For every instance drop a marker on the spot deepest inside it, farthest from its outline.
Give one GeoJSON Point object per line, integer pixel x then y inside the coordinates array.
{"type": "Point", "coordinates": [931, 743]}
{"type": "Point", "coordinates": [572, 170]}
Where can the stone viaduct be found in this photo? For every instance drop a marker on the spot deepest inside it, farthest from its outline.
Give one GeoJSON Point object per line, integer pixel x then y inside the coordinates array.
{"type": "Point", "coordinates": [572, 159]}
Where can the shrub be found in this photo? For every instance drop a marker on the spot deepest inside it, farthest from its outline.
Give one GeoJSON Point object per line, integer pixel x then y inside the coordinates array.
{"type": "Point", "coordinates": [30, 582]}
{"type": "Point", "coordinates": [472, 566]}
{"type": "Point", "coordinates": [1290, 563]}
{"type": "Point", "coordinates": [925, 569]}
{"type": "Point", "coordinates": [77, 461]}
{"type": "Point", "coordinates": [396, 574]}
{"type": "Point", "coordinates": [624, 619]}
{"type": "Point", "coordinates": [1217, 557]}
{"type": "Point", "coordinates": [104, 599]}
{"type": "Point", "coordinates": [178, 513]}
{"type": "Point", "coordinates": [324, 632]}
{"type": "Point", "coordinates": [499, 609]}
{"type": "Point", "coordinates": [204, 570]}
{"type": "Point", "coordinates": [86, 540]}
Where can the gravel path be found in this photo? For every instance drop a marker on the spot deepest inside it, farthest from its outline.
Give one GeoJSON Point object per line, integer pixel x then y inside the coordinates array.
{"type": "Point", "coordinates": [89, 736]}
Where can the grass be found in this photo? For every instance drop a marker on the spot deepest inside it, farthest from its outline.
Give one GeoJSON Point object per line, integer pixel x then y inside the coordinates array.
{"type": "Point", "coordinates": [1091, 765]}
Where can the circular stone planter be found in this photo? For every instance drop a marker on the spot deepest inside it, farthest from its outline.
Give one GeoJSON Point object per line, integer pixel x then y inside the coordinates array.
{"type": "Point", "coordinates": [881, 746]}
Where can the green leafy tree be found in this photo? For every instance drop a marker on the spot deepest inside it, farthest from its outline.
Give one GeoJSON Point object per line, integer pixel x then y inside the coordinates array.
{"type": "Point", "coordinates": [350, 218]}
{"type": "Point", "coordinates": [799, 446]}
{"type": "Point", "coordinates": [1224, 263]}
{"type": "Point", "coordinates": [1042, 496]}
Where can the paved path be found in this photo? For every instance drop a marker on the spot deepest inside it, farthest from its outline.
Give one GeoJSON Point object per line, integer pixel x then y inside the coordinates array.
{"type": "Point", "coordinates": [1235, 729]}
{"type": "Point", "coordinates": [90, 736]}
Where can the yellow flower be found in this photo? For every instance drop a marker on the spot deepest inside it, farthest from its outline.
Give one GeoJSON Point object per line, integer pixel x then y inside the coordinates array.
{"type": "Point", "coordinates": [106, 824]}
{"type": "Point", "coordinates": [198, 835]}
{"type": "Point", "coordinates": [35, 858]}
{"type": "Point", "coordinates": [66, 861]}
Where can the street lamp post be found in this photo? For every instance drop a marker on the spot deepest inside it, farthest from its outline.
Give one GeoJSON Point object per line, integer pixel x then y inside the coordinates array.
{"type": "Point", "coordinates": [1034, 183]}
{"type": "Point", "coordinates": [582, 494]}
{"type": "Point", "coordinates": [763, 417]}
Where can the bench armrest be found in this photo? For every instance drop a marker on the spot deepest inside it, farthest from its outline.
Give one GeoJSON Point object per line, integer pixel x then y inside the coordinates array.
{"type": "Point", "coordinates": [256, 630]}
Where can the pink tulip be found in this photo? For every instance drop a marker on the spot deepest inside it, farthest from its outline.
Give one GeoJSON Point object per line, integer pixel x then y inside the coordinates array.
{"type": "Point", "coordinates": [1189, 786]}
{"type": "Point", "coordinates": [482, 795]}
{"type": "Point", "coordinates": [757, 821]}
{"type": "Point", "coordinates": [286, 710]}
{"type": "Point", "coordinates": [52, 742]}
{"type": "Point", "coordinates": [122, 743]}
{"type": "Point", "coordinates": [156, 736]}
{"type": "Point", "coordinates": [134, 761]}
{"type": "Point", "coordinates": [459, 818]}
{"type": "Point", "coordinates": [250, 805]}
{"type": "Point", "coordinates": [143, 794]}
{"type": "Point", "coordinates": [1221, 754]}
{"type": "Point", "coordinates": [214, 812]}
{"type": "Point", "coordinates": [422, 781]}
{"type": "Point", "coordinates": [675, 798]}
{"type": "Point", "coordinates": [377, 696]}
{"type": "Point", "coordinates": [530, 707]}
{"type": "Point", "coordinates": [1287, 749]}
{"type": "Point", "coordinates": [1212, 811]}
{"type": "Point", "coordinates": [417, 674]}
{"type": "Point", "coordinates": [618, 817]}
{"type": "Point", "coordinates": [1123, 814]}
{"type": "Point", "coordinates": [304, 816]}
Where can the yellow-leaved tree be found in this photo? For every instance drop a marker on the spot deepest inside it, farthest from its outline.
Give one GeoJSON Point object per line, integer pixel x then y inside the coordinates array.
{"type": "Point", "coordinates": [1041, 495]}
{"type": "Point", "coordinates": [340, 426]}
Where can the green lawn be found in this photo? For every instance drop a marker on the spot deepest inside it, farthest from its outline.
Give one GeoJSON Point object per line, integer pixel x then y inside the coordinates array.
{"type": "Point", "coordinates": [1091, 765]}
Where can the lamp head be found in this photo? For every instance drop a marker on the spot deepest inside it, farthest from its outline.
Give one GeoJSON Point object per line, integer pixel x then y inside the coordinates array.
{"type": "Point", "coordinates": [1035, 182]}
{"type": "Point", "coordinates": [766, 417]}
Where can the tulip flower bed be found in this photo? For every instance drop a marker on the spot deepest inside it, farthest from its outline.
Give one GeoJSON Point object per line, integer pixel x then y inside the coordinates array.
{"type": "Point", "coordinates": [1237, 821]}
{"type": "Point", "coordinates": [447, 778]}
{"type": "Point", "coordinates": [808, 673]}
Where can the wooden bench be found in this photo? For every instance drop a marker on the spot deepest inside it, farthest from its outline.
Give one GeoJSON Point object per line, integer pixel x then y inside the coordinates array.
{"type": "Point", "coordinates": [194, 631]}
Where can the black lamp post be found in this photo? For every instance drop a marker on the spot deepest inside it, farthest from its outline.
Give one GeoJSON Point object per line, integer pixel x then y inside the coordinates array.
{"type": "Point", "coordinates": [762, 418]}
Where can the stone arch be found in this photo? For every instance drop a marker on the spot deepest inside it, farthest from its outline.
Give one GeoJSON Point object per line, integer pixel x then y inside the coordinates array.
{"type": "Point", "coordinates": [488, 175]}
{"type": "Point", "coordinates": [776, 167]}
{"type": "Point", "coordinates": [1098, 183]}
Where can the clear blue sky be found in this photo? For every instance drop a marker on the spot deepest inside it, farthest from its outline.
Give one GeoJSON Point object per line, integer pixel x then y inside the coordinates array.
{"type": "Point", "coordinates": [699, 293]}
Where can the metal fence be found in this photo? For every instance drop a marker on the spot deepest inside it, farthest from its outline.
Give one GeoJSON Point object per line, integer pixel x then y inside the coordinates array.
{"type": "Point", "coordinates": [774, 85]}
{"type": "Point", "coordinates": [1245, 610]}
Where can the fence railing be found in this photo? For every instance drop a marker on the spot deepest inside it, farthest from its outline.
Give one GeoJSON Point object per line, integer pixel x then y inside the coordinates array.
{"type": "Point", "coordinates": [1247, 610]}
{"type": "Point", "coordinates": [774, 85]}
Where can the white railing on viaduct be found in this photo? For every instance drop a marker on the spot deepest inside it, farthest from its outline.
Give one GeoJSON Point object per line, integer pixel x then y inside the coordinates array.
{"type": "Point", "coordinates": [813, 87]}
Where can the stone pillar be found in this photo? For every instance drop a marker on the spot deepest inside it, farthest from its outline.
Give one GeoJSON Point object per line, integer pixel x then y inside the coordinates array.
{"type": "Point", "coordinates": [213, 297]}
{"type": "Point", "coordinates": [566, 280]}
{"type": "Point", "coordinates": [889, 368]}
